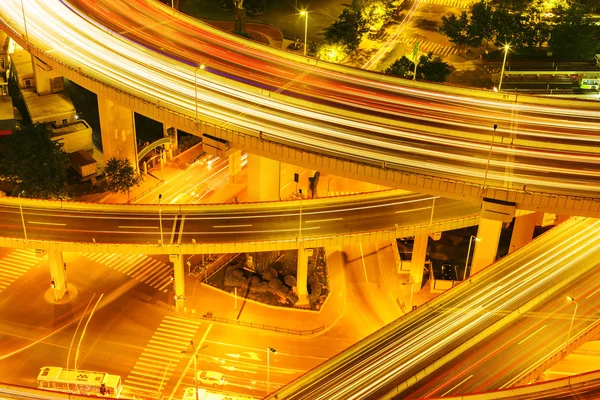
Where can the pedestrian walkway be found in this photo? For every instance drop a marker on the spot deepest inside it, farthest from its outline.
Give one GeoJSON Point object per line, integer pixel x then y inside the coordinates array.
{"type": "Point", "coordinates": [160, 357]}
{"type": "Point", "coordinates": [449, 3]}
{"type": "Point", "coordinates": [13, 266]}
{"type": "Point", "coordinates": [425, 46]}
{"type": "Point", "coordinates": [138, 266]}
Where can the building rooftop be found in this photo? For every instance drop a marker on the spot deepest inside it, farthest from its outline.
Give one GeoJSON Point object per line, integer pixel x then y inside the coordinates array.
{"type": "Point", "coordinates": [81, 158]}
{"type": "Point", "coordinates": [41, 107]}
{"type": "Point", "coordinates": [69, 128]}
{"type": "Point", "coordinates": [21, 61]}
{"type": "Point", "coordinates": [6, 108]}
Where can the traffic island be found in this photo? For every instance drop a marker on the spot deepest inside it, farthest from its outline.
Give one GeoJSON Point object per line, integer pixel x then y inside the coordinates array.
{"type": "Point", "coordinates": [70, 294]}
{"type": "Point", "coordinates": [270, 278]}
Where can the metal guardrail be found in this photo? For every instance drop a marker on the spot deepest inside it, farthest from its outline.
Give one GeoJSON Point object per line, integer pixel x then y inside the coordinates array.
{"type": "Point", "coordinates": [145, 192]}
{"type": "Point", "coordinates": [271, 328]}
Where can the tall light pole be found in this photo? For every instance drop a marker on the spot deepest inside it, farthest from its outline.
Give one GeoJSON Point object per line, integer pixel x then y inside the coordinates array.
{"type": "Point", "coordinates": [300, 223]}
{"type": "Point", "coordinates": [469, 254]}
{"type": "Point", "coordinates": [25, 22]}
{"type": "Point", "coordinates": [22, 217]}
{"type": "Point", "coordinates": [269, 350]}
{"type": "Point", "coordinates": [487, 165]}
{"type": "Point", "coordinates": [304, 13]}
{"type": "Point", "coordinates": [160, 220]}
{"type": "Point", "coordinates": [195, 367]}
{"type": "Point", "coordinates": [572, 319]}
{"type": "Point", "coordinates": [506, 48]}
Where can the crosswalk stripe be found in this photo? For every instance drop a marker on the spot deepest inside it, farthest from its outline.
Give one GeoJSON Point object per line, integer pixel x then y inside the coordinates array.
{"type": "Point", "coordinates": [15, 264]}
{"type": "Point", "coordinates": [161, 355]}
{"type": "Point", "coordinates": [140, 267]}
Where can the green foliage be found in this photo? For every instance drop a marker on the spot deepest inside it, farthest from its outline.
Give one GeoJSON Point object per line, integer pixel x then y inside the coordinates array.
{"type": "Point", "coordinates": [347, 30]}
{"type": "Point", "coordinates": [34, 163]}
{"type": "Point", "coordinates": [480, 24]}
{"type": "Point", "coordinates": [314, 184]}
{"type": "Point", "coordinates": [120, 175]}
{"type": "Point", "coordinates": [430, 68]}
{"type": "Point", "coordinates": [456, 28]}
{"type": "Point", "coordinates": [574, 35]}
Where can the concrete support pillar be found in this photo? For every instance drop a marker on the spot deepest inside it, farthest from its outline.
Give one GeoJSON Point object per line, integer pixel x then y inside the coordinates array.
{"type": "Point", "coordinates": [523, 230]}
{"type": "Point", "coordinates": [487, 247]}
{"type": "Point", "coordinates": [118, 131]}
{"type": "Point", "coordinates": [235, 166]}
{"type": "Point", "coordinates": [47, 81]}
{"type": "Point", "coordinates": [417, 262]}
{"type": "Point", "coordinates": [263, 178]}
{"type": "Point", "coordinates": [58, 273]}
{"type": "Point", "coordinates": [302, 275]}
{"type": "Point", "coordinates": [178, 282]}
{"type": "Point", "coordinates": [171, 133]}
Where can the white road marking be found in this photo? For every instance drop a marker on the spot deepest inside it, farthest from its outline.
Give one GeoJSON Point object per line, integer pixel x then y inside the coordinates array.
{"type": "Point", "coordinates": [45, 223]}
{"type": "Point", "coordinates": [531, 335]}
{"type": "Point", "coordinates": [460, 383]}
{"type": "Point", "coordinates": [138, 227]}
{"type": "Point", "coordinates": [413, 209]}
{"type": "Point", "coordinates": [231, 226]}
{"type": "Point", "coordinates": [323, 220]}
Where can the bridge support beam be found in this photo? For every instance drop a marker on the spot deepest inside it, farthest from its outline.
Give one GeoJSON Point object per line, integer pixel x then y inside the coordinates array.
{"type": "Point", "coordinates": [178, 282]}
{"type": "Point", "coordinates": [417, 262]}
{"type": "Point", "coordinates": [58, 274]}
{"type": "Point", "coordinates": [487, 247]}
{"type": "Point", "coordinates": [118, 131]}
{"type": "Point", "coordinates": [235, 166]}
{"type": "Point", "coordinates": [170, 132]}
{"type": "Point", "coordinates": [47, 81]}
{"type": "Point", "coordinates": [302, 275]}
{"type": "Point", "coordinates": [523, 230]}
{"type": "Point", "coordinates": [263, 178]}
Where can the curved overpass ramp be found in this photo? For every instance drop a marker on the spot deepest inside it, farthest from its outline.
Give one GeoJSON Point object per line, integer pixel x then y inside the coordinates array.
{"type": "Point", "coordinates": [421, 137]}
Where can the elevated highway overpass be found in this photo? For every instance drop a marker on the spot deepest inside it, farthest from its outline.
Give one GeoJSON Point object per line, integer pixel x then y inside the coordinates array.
{"type": "Point", "coordinates": [398, 356]}
{"type": "Point", "coordinates": [421, 137]}
{"type": "Point", "coordinates": [227, 228]}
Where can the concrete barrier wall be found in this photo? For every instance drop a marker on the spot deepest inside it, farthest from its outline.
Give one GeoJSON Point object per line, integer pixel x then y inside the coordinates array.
{"type": "Point", "coordinates": [371, 170]}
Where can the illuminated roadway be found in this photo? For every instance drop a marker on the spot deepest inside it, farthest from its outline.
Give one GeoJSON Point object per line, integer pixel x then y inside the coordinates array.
{"type": "Point", "coordinates": [231, 222]}
{"type": "Point", "coordinates": [392, 355]}
{"type": "Point", "coordinates": [336, 111]}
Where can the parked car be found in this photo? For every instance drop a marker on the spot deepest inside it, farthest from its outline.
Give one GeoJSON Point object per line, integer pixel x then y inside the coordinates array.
{"type": "Point", "coordinates": [211, 378]}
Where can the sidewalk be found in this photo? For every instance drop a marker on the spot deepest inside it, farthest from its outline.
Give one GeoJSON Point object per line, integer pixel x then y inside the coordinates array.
{"type": "Point", "coordinates": [204, 298]}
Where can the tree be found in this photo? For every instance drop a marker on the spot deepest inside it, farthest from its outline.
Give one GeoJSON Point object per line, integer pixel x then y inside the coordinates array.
{"type": "Point", "coordinates": [34, 163]}
{"type": "Point", "coordinates": [480, 24]}
{"type": "Point", "coordinates": [348, 29]}
{"type": "Point", "coordinates": [430, 68]}
{"type": "Point", "coordinates": [121, 176]}
{"type": "Point", "coordinates": [314, 184]}
{"type": "Point", "coordinates": [456, 28]}
{"type": "Point", "coordinates": [574, 35]}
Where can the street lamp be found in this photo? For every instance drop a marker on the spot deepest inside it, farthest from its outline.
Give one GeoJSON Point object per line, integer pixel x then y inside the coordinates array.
{"type": "Point", "coordinates": [304, 13]}
{"type": "Point", "coordinates": [22, 218]}
{"type": "Point", "coordinates": [25, 22]}
{"type": "Point", "coordinates": [469, 254]}
{"type": "Point", "coordinates": [572, 319]}
{"type": "Point", "coordinates": [269, 350]}
{"type": "Point", "coordinates": [506, 48]}
{"type": "Point", "coordinates": [487, 165]}
{"type": "Point", "coordinates": [160, 220]}
{"type": "Point", "coordinates": [195, 368]}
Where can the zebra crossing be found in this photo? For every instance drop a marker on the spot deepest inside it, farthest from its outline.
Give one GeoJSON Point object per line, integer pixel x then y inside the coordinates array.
{"type": "Point", "coordinates": [13, 266]}
{"type": "Point", "coordinates": [138, 266]}
{"type": "Point", "coordinates": [426, 46]}
{"type": "Point", "coordinates": [449, 3]}
{"type": "Point", "coordinates": [159, 359]}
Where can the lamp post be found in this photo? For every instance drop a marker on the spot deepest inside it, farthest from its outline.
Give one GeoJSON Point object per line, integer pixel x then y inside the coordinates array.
{"type": "Point", "coordinates": [269, 350]}
{"type": "Point", "coordinates": [195, 367]}
{"type": "Point", "coordinates": [300, 223]}
{"type": "Point", "coordinates": [572, 319]}
{"type": "Point", "coordinates": [469, 254]}
{"type": "Point", "coordinates": [304, 13]}
{"type": "Point", "coordinates": [25, 22]}
{"type": "Point", "coordinates": [487, 165]}
{"type": "Point", "coordinates": [506, 48]}
{"type": "Point", "coordinates": [160, 219]}
{"type": "Point", "coordinates": [22, 217]}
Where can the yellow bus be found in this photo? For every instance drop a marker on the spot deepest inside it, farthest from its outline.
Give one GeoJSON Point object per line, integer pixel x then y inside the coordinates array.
{"type": "Point", "coordinates": [80, 382]}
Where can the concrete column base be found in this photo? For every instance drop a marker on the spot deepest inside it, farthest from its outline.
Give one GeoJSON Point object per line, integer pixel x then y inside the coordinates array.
{"type": "Point", "coordinates": [263, 178]}
{"type": "Point", "coordinates": [53, 297]}
{"type": "Point", "coordinates": [302, 276]}
{"type": "Point", "coordinates": [417, 261]}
